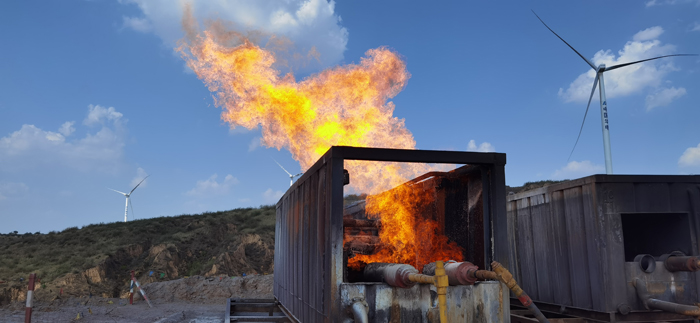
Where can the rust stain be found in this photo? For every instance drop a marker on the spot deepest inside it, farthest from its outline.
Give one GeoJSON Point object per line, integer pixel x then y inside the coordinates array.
{"type": "Point", "coordinates": [395, 311]}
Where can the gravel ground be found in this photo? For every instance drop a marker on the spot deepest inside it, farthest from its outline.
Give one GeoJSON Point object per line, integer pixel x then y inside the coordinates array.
{"type": "Point", "coordinates": [193, 300]}
{"type": "Point", "coordinates": [137, 313]}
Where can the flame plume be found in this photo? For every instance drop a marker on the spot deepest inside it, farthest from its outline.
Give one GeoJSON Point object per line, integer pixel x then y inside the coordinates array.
{"type": "Point", "coordinates": [408, 234]}
{"type": "Point", "coordinates": [345, 105]}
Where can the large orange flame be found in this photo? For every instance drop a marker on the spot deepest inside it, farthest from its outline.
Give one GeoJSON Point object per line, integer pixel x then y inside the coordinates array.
{"type": "Point", "coordinates": [409, 235]}
{"type": "Point", "coordinates": [345, 105]}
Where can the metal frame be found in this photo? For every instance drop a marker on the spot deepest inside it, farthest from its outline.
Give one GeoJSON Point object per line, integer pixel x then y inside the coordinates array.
{"type": "Point", "coordinates": [309, 264]}
{"type": "Point", "coordinates": [645, 316]}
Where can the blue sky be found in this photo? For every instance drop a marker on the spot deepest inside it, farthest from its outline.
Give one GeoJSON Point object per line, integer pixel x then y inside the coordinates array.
{"type": "Point", "coordinates": [92, 95]}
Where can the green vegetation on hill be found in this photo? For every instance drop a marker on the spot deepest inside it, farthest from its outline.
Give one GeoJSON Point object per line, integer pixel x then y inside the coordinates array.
{"type": "Point", "coordinates": [198, 238]}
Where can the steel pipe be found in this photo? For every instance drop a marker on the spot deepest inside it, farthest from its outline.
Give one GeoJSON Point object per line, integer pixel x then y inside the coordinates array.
{"type": "Point", "coordinates": [396, 275]}
{"type": "Point", "coordinates": [361, 223]}
{"type": "Point", "coordinates": [682, 263]}
{"type": "Point", "coordinates": [406, 276]}
{"type": "Point", "coordinates": [504, 276]}
{"type": "Point", "coordinates": [360, 247]}
{"type": "Point", "coordinates": [649, 302]}
{"type": "Point", "coordinates": [359, 311]}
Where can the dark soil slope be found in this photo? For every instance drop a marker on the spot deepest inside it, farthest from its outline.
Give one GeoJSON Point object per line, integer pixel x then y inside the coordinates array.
{"type": "Point", "coordinates": [96, 259]}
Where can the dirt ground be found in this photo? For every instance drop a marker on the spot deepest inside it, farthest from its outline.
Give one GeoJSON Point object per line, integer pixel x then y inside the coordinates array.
{"type": "Point", "coordinates": [195, 300]}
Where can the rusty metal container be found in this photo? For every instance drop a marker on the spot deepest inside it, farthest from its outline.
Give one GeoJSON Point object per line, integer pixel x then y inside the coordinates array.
{"type": "Point", "coordinates": [311, 280]}
{"type": "Point", "coordinates": [573, 244]}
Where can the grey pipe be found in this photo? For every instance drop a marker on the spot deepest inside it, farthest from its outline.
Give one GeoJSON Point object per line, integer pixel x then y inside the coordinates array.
{"type": "Point", "coordinates": [649, 302]}
{"type": "Point", "coordinates": [359, 311]}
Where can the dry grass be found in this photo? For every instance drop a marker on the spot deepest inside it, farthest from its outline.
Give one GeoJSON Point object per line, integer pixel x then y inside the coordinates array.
{"type": "Point", "coordinates": [55, 254]}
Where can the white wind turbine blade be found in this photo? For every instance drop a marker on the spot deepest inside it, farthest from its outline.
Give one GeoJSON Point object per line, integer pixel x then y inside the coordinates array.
{"type": "Point", "coordinates": [288, 173]}
{"type": "Point", "coordinates": [122, 193]}
{"type": "Point", "coordinates": [567, 44]}
{"type": "Point", "coordinates": [595, 83]}
{"type": "Point", "coordinates": [137, 185]}
{"type": "Point", "coordinates": [644, 60]}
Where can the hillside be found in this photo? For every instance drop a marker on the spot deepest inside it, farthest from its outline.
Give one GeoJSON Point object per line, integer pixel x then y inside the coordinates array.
{"type": "Point", "coordinates": [96, 259]}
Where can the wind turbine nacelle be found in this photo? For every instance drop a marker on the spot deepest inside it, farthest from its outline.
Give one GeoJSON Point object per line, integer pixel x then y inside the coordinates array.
{"type": "Point", "coordinates": [601, 67]}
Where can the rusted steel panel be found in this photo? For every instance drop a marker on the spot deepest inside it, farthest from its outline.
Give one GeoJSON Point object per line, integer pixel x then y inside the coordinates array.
{"type": "Point", "coordinates": [559, 250]}
{"type": "Point", "coordinates": [578, 248]}
{"type": "Point", "coordinates": [526, 256]}
{"type": "Point", "coordinates": [541, 238]}
{"type": "Point", "coordinates": [498, 216]}
{"type": "Point", "coordinates": [300, 247]}
{"type": "Point", "coordinates": [596, 226]}
{"type": "Point", "coordinates": [483, 302]}
{"type": "Point", "coordinates": [613, 197]}
{"type": "Point", "coordinates": [511, 210]}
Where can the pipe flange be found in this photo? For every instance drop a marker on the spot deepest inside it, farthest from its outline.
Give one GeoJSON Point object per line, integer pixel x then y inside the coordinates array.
{"type": "Point", "coordinates": [360, 300]}
{"type": "Point", "coordinates": [646, 262]}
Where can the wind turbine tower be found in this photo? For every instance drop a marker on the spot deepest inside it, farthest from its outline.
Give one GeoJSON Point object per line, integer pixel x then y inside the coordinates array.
{"type": "Point", "coordinates": [291, 177]}
{"type": "Point", "coordinates": [128, 196]}
{"type": "Point", "coordinates": [600, 69]}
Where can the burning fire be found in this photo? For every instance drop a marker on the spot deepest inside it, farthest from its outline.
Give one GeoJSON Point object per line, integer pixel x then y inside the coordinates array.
{"type": "Point", "coordinates": [408, 235]}
{"type": "Point", "coordinates": [345, 105]}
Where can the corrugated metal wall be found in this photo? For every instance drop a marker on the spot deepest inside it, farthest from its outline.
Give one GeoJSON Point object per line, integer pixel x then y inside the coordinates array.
{"type": "Point", "coordinates": [303, 249]}
{"type": "Point", "coordinates": [567, 242]}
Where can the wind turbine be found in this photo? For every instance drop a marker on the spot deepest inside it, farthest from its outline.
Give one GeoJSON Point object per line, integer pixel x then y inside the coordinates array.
{"type": "Point", "coordinates": [291, 177]}
{"type": "Point", "coordinates": [128, 196]}
{"type": "Point", "coordinates": [603, 102]}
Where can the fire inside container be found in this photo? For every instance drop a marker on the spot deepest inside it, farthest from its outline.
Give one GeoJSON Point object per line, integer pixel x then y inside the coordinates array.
{"type": "Point", "coordinates": [323, 246]}
{"type": "Point", "coordinates": [440, 217]}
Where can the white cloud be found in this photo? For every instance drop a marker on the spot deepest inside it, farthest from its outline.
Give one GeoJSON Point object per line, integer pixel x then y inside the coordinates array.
{"type": "Point", "coordinates": [663, 97]}
{"type": "Point", "coordinates": [271, 196]}
{"type": "Point", "coordinates": [650, 33]}
{"type": "Point", "coordinates": [12, 189]}
{"type": "Point", "coordinates": [254, 144]}
{"type": "Point", "coordinates": [138, 24]}
{"type": "Point", "coordinates": [691, 157]}
{"type": "Point", "coordinates": [98, 115]}
{"type": "Point", "coordinates": [629, 79]}
{"type": "Point", "coordinates": [695, 26]}
{"type": "Point", "coordinates": [484, 147]}
{"type": "Point", "coordinates": [31, 146]}
{"type": "Point", "coordinates": [140, 175]}
{"type": "Point", "coordinates": [575, 169]}
{"type": "Point", "coordinates": [307, 23]}
{"type": "Point", "coordinates": [652, 3]}
{"type": "Point", "coordinates": [67, 128]}
{"type": "Point", "coordinates": [210, 187]}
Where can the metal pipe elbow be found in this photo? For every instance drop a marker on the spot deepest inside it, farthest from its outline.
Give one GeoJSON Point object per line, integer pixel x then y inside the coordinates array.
{"type": "Point", "coordinates": [652, 303]}
{"type": "Point", "coordinates": [359, 311]}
